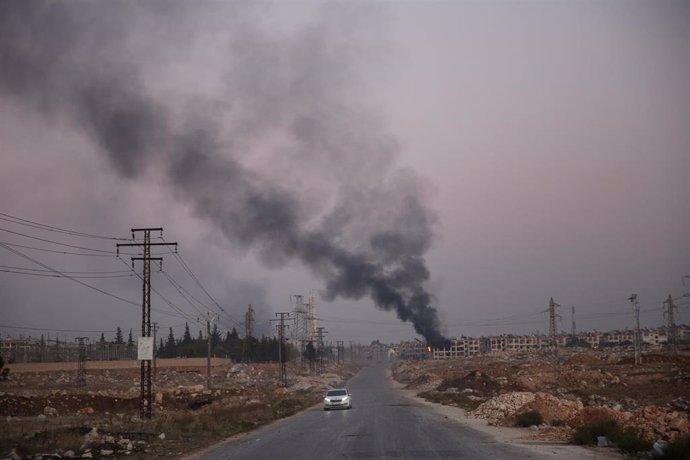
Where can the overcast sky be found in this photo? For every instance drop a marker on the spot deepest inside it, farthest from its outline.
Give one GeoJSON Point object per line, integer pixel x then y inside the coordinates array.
{"type": "Point", "coordinates": [475, 158]}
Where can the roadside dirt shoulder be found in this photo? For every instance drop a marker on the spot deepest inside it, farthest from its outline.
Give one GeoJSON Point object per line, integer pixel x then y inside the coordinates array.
{"type": "Point", "coordinates": [510, 435]}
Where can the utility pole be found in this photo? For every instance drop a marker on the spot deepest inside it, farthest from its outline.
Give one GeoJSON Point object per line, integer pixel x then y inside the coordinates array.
{"type": "Point", "coordinates": [146, 384]}
{"type": "Point", "coordinates": [281, 334]}
{"type": "Point", "coordinates": [248, 330]}
{"type": "Point", "coordinates": [209, 320]}
{"type": "Point", "coordinates": [669, 314]}
{"type": "Point", "coordinates": [155, 330]}
{"type": "Point", "coordinates": [81, 362]}
{"type": "Point", "coordinates": [637, 339]}
{"type": "Point", "coordinates": [208, 351]}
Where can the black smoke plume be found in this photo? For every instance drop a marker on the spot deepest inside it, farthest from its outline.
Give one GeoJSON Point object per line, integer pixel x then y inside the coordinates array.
{"type": "Point", "coordinates": [265, 133]}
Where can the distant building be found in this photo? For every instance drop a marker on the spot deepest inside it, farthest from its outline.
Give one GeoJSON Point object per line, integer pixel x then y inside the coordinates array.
{"type": "Point", "coordinates": [30, 350]}
{"type": "Point", "coordinates": [464, 347]}
{"type": "Point", "coordinates": [18, 349]}
{"type": "Point", "coordinates": [413, 349]}
{"type": "Point", "coordinates": [459, 348]}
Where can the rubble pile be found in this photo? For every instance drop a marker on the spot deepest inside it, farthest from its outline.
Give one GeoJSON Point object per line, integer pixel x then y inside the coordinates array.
{"type": "Point", "coordinates": [659, 423]}
{"type": "Point", "coordinates": [571, 390]}
{"type": "Point", "coordinates": [554, 410]}
{"type": "Point", "coordinates": [504, 405]}
{"type": "Point", "coordinates": [591, 415]}
{"type": "Point", "coordinates": [413, 375]}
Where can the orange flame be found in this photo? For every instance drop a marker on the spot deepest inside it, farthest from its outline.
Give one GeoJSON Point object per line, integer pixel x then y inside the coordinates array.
{"type": "Point", "coordinates": [428, 348]}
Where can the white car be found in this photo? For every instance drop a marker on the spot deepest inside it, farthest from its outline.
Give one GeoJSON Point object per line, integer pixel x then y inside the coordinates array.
{"type": "Point", "coordinates": [337, 398]}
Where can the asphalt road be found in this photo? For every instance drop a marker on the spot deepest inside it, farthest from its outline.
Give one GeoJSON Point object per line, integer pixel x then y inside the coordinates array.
{"type": "Point", "coordinates": [381, 424]}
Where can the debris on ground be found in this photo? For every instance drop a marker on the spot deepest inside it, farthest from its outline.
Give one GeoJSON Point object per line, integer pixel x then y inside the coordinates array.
{"type": "Point", "coordinates": [44, 414]}
{"type": "Point", "coordinates": [573, 389]}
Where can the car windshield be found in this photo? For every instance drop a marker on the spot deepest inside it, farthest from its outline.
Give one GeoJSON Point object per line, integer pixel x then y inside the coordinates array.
{"type": "Point", "coordinates": [336, 393]}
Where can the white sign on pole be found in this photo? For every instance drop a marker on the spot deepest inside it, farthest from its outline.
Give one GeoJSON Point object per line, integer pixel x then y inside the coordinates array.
{"type": "Point", "coordinates": [145, 349]}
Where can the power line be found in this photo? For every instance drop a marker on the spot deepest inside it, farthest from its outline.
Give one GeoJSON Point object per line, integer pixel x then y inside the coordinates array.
{"type": "Point", "coordinates": [104, 254]}
{"type": "Point", "coordinates": [20, 254]}
{"type": "Point", "coordinates": [45, 240]}
{"type": "Point", "coordinates": [358, 321]}
{"type": "Point", "coordinates": [185, 293]}
{"type": "Point", "coordinates": [7, 326]}
{"type": "Point", "coordinates": [504, 318]}
{"type": "Point", "coordinates": [48, 275]}
{"type": "Point", "coordinates": [179, 310]}
{"type": "Point", "coordinates": [33, 248]}
{"type": "Point", "coordinates": [111, 272]}
{"type": "Point", "coordinates": [51, 228]}
{"type": "Point", "coordinates": [179, 289]}
{"type": "Point", "coordinates": [109, 294]}
{"type": "Point", "coordinates": [198, 283]}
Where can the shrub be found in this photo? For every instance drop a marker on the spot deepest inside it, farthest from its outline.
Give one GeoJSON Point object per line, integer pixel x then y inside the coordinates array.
{"type": "Point", "coordinates": [678, 449]}
{"type": "Point", "coordinates": [557, 422]}
{"type": "Point", "coordinates": [587, 434]}
{"type": "Point", "coordinates": [530, 418]}
{"type": "Point", "coordinates": [627, 440]}
{"type": "Point", "coordinates": [4, 371]}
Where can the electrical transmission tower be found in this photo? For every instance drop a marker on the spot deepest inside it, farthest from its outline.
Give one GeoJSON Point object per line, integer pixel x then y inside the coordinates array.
{"type": "Point", "coordinates": [670, 316]}
{"type": "Point", "coordinates": [249, 322]}
{"type": "Point", "coordinates": [637, 337]}
{"type": "Point", "coordinates": [146, 340]}
{"type": "Point", "coordinates": [81, 361]}
{"type": "Point", "coordinates": [320, 333]}
{"type": "Point", "coordinates": [281, 340]}
{"type": "Point", "coordinates": [340, 345]}
{"type": "Point", "coordinates": [311, 317]}
{"type": "Point", "coordinates": [573, 331]}
{"type": "Point", "coordinates": [552, 323]}
{"type": "Point", "coordinates": [300, 331]}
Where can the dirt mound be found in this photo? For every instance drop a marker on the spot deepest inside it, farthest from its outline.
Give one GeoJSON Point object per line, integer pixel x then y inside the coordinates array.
{"type": "Point", "coordinates": [578, 388]}
{"type": "Point", "coordinates": [551, 408]}
{"type": "Point", "coordinates": [592, 415]}
{"type": "Point", "coordinates": [659, 423]}
{"type": "Point", "coordinates": [585, 357]}
{"type": "Point", "coordinates": [14, 406]}
{"type": "Point", "coordinates": [498, 408]}
{"type": "Point", "coordinates": [474, 380]}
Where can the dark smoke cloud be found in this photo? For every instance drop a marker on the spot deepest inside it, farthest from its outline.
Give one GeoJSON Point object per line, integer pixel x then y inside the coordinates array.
{"type": "Point", "coordinates": [289, 94]}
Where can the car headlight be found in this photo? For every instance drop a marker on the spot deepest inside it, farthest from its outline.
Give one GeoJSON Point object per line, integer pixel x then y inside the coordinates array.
{"type": "Point", "coordinates": [326, 399]}
{"type": "Point", "coordinates": [346, 398]}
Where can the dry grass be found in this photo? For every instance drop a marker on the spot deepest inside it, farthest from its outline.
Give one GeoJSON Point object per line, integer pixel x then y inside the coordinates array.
{"type": "Point", "coordinates": [231, 409]}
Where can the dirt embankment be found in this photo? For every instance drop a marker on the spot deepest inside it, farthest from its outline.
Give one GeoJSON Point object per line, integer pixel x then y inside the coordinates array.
{"type": "Point", "coordinates": [44, 412]}
{"type": "Point", "coordinates": [572, 390]}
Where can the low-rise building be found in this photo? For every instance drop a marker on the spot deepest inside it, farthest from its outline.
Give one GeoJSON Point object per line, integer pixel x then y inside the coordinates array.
{"type": "Point", "coordinates": [413, 349]}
